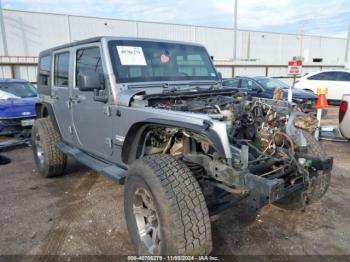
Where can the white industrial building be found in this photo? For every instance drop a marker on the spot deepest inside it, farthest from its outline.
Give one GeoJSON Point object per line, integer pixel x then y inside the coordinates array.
{"type": "Point", "coordinates": [258, 53]}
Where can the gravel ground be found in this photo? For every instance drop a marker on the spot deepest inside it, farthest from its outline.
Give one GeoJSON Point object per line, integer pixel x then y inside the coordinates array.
{"type": "Point", "coordinates": [81, 213]}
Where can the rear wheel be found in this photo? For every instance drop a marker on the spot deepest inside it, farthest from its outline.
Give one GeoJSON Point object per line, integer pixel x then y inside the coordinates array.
{"type": "Point", "coordinates": [318, 183]}
{"type": "Point", "coordinates": [49, 160]}
{"type": "Point", "coordinates": [165, 209]}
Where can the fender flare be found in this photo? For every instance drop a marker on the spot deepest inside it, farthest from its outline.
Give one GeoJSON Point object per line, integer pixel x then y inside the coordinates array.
{"type": "Point", "coordinates": [44, 109]}
{"type": "Point", "coordinates": [134, 136]}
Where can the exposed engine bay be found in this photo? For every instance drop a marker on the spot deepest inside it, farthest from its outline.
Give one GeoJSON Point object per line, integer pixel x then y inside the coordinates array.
{"type": "Point", "coordinates": [267, 140]}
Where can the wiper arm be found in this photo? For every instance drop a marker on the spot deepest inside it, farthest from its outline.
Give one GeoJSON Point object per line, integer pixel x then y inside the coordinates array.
{"type": "Point", "coordinates": [195, 86]}
{"type": "Point", "coordinates": [164, 85]}
{"type": "Point", "coordinates": [203, 83]}
{"type": "Point", "coordinates": [173, 89]}
{"type": "Point", "coordinates": [213, 84]}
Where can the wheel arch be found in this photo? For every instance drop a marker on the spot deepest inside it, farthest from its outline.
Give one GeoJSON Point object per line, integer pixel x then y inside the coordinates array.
{"type": "Point", "coordinates": [44, 110]}
{"type": "Point", "coordinates": [136, 134]}
{"type": "Point", "coordinates": [41, 110]}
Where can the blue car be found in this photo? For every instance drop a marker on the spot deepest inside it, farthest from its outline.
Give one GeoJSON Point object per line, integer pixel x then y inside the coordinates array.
{"type": "Point", "coordinates": [17, 106]}
{"type": "Point", "coordinates": [264, 87]}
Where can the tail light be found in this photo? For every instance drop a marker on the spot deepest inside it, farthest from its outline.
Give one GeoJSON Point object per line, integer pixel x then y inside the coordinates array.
{"type": "Point", "coordinates": [342, 110]}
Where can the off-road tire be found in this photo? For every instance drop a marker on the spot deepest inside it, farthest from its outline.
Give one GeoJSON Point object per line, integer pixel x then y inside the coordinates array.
{"type": "Point", "coordinates": [54, 161]}
{"type": "Point", "coordinates": [318, 185]}
{"type": "Point", "coordinates": [181, 209]}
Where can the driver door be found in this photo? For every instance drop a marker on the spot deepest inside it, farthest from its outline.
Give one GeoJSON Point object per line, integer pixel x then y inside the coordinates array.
{"type": "Point", "coordinates": [92, 120]}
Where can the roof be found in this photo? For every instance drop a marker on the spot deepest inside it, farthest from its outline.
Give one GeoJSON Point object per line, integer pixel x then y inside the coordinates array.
{"type": "Point", "coordinates": [85, 41]}
{"type": "Point", "coordinates": [329, 70]}
{"type": "Point", "coordinates": [108, 38]}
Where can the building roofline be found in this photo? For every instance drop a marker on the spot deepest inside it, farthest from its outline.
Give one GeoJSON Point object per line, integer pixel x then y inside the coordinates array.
{"type": "Point", "coordinates": [168, 23]}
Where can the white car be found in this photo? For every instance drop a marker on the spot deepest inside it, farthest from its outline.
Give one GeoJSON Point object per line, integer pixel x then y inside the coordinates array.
{"type": "Point", "coordinates": [337, 82]}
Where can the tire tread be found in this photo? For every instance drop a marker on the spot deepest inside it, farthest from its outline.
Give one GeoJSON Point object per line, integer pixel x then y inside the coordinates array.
{"type": "Point", "coordinates": [193, 229]}
{"type": "Point", "coordinates": [55, 160]}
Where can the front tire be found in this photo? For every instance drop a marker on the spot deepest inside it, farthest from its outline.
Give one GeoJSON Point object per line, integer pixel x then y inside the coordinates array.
{"type": "Point", "coordinates": [165, 209]}
{"type": "Point", "coordinates": [49, 160]}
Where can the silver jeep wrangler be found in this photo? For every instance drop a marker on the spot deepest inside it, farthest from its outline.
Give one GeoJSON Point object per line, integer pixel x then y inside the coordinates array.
{"type": "Point", "coordinates": [153, 115]}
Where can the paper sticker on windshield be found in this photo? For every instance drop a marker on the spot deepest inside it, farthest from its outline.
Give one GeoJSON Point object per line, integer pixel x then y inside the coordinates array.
{"type": "Point", "coordinates": [131, 55]}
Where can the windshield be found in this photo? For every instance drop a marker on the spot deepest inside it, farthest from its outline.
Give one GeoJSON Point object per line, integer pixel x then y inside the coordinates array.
{"type": "Point", "coordinates": [19, 89]}
{"type": "Point", "coordinates": [145, 61]}
{"type": "Point", "coordinates": [272, 83]}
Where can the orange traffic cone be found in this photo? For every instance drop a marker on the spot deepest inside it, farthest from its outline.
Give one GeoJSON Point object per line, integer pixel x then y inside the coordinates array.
{"type": "Point", "coordinates": [322, 99]}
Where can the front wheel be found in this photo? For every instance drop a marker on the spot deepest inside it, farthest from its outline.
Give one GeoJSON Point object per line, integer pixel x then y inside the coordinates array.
{"type": "Point", "coordinates": [165, 209]}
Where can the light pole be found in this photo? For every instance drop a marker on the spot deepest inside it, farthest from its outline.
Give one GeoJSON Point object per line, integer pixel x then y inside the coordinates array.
{"type": "Point", "coordinates": [235, 33]}
{"type": "Point", "coordinates": [3, 33]}
{"type": "Point", "coordinates": [347, 46]}
{"type": "Point", "coordinates": [302, 25]}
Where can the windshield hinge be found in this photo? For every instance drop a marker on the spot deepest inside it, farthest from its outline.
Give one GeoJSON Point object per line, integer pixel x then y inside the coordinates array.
{"type": "Point", "coordinates": [108, 141]}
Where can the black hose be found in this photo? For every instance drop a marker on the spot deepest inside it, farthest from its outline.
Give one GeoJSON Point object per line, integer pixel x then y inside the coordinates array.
{"type": "Point", "coordinates": [265, 165]}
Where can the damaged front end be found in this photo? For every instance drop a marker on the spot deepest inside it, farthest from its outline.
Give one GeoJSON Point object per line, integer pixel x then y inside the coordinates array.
{"type": "Point", "coordinates": [274, 155]}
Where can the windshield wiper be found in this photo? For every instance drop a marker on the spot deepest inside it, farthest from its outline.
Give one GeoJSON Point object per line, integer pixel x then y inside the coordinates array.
{"type": "Point", "coordinates": [174, 89]}
{"type": "Point", "coordinates": [203, 83]}
{"type": "Point", "coordinates": [164, 85]}
{"type": "Point", "coordinates": [195, 86]}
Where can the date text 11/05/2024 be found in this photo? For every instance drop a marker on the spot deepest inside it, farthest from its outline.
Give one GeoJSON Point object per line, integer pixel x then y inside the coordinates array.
{"type": "Point", "coordinates": [173, 258]}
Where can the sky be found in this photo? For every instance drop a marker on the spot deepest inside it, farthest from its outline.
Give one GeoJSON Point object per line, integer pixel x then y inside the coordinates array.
{"type": "Point", "coordinates": [313, 17]}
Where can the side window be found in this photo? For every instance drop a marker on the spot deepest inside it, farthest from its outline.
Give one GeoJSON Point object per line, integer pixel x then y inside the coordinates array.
{"type": "Point", "coordinates": [44, 70]}
{"type": "Point", "coordinates": [325, 76]}
{"type": "Point", "coordinates": [88, 60]}
{"type": "Point", "coordinates": [343, 76]}
{"type": "Point", "coordinates": [231, 82]}
{"type": "Point", "coordinates": [249, 84]}
{"type": "Point", "coordinates": [61, 69]}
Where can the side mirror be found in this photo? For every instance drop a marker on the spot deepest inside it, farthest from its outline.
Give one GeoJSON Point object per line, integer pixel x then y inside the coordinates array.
{"type": "Point", "coordinates": [89, 81]}
{"type": "Point", "coordinates": [220, 75]}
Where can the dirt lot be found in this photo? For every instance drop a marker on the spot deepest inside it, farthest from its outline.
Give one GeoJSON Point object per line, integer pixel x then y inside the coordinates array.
{"type": "Point", "coordinates": [82, 213]}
